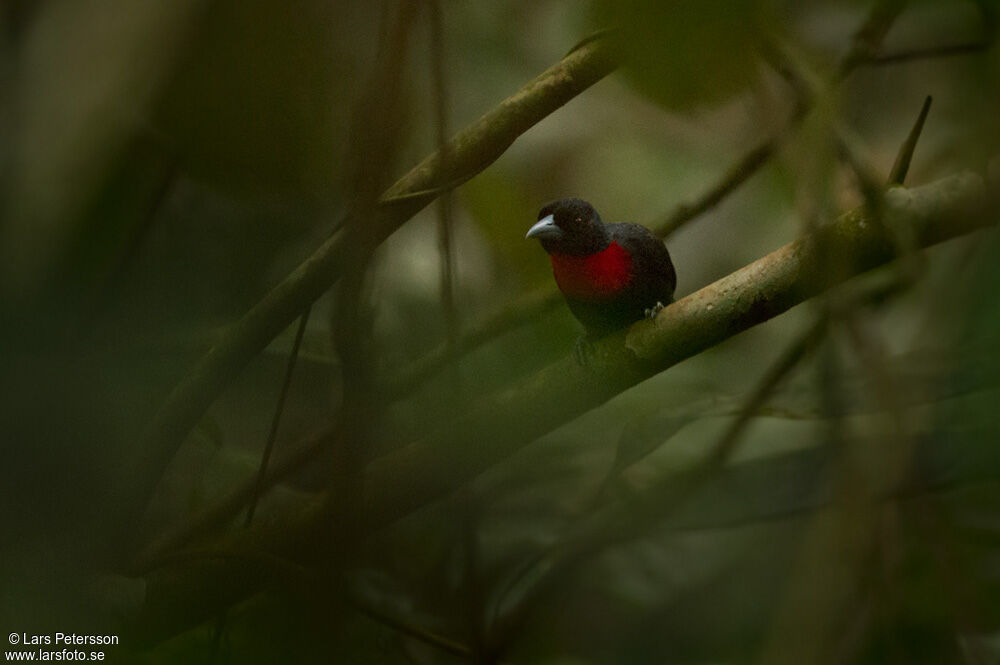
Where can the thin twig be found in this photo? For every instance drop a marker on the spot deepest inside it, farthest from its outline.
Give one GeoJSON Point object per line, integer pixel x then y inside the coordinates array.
{"type": "Point", "coordinates": [222, 619]}
{"type": "Point", "coordinates": [927, 52]}
{"type": "Point", "coordinates": [874, 192]}
{"type": "Point", "coordinates": [776, 374]}
{"type": "Point", "coordinates": [279, 408]}
{"type": "Point", "coordinates": [510, 317]}
{"type": "Point", "coordinates": [736, 175]}
{"type": "Point", "coordinates": [445, 223]}
{"type": "Point", "coordinates": [222, 512]}
{"type": "Point", "coordinates": [902, 164]}
{"type": "Point", "coordinates": [868, 38]}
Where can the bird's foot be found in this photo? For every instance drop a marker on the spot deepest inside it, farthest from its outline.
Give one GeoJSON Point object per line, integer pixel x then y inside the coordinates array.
{"type": "Point", "coordinates": [583, 350]}
{"type": "Point", "coordinates": [651, 312]}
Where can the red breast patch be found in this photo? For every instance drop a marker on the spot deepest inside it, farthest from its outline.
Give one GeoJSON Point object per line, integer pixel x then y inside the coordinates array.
{"type": "Point", "coordinates": [595, 277]}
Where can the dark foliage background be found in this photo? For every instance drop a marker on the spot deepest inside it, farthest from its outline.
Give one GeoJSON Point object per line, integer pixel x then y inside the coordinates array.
{"type": "Point", "coordinates": [164, 165]}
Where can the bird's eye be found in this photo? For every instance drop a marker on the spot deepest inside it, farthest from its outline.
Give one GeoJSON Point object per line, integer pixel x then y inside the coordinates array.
{"type": "Point", "coordinates": [578, 220]}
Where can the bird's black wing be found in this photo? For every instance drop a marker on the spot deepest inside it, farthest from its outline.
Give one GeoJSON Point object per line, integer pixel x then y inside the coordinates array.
{"type": "Point", "coordinates": [653, 271]}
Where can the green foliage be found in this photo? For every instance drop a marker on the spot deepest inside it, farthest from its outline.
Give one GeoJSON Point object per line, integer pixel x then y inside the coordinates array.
{"type": "Point", "coordinates": [687, 55]}
{"type": "Point", "coordinates": [497, 202]}
{"type": "Point", "coordinates": [171, 163]}
{"type": "Point", "coordinates": [260, 96]}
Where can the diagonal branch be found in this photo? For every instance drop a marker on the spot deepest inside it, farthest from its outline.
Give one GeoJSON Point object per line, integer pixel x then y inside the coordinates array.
{"type": "Point", "coordinates": [469, 152]}
{"type": "Point", "coordinates": [864, 48]}
{"type": "Point", "coordinates": [926, 52]}
{"type": "Point", "coordinates": [505, 319]}
{"type": "Point", "coordinates": [213, 518]}
{"type": "Point", "coordinates": [590, 534]}
{"type": "Point", "coordinates": [503, 423]}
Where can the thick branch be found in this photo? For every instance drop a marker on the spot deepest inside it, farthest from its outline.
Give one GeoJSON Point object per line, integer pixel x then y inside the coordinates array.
{"type": "Point", "coordinates": [501, 424]}
{"type": "Point", "coordinates": [867, 41]}
{"type": "Point", "coordinates": [469, 152]}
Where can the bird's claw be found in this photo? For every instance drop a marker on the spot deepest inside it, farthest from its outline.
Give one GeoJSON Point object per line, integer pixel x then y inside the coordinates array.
{"type": "Point", "coordinates": [651, 312]}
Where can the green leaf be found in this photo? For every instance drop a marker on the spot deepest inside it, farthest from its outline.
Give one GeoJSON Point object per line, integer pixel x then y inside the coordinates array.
{"type": "Point", "coordinates": [504, 208]}
{"type": "Point", "coordinates": [642, 436]}
{"type": "Point", "coordinates": [685, 54]}
{"type": "Point", "coordinates": [211, 430]}
{"type": "Point", "coordinates": [261, 95]}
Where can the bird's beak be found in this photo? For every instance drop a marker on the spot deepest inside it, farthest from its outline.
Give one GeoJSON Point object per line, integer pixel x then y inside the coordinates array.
{"type": "Point", "coordinates": [545, 228]}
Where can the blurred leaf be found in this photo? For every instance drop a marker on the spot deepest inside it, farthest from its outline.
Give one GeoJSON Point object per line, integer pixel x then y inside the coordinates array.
{"type": "Point", "coordinates": [210, 429]}
{"type": "Point", "coordinates": [503, 210]}
{"type": "Point", "coordinates": [316, 346]}
{"type": "Point", "coordinates": [262, 96]}
{"type": "Point", "coordinates": [685, 54]}
{"type": "Point", "coordinates": [924, 375]}
{"type": "Point", "coordinates": [85, 74]}
{"type": "Point", "coordinates": [644, 435]}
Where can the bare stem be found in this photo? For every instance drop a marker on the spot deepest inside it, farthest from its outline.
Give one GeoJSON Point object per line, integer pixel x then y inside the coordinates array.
{"type": "Point", "coordinates": [279, 408]}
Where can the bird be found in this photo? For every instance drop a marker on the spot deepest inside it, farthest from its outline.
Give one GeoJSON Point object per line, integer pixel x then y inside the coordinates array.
{"type": "Point", "coordinates": [611, 275]}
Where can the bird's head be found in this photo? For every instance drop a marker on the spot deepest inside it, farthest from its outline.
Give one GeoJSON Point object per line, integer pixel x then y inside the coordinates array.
{"type": "Point", "coordinates": [570, 226]}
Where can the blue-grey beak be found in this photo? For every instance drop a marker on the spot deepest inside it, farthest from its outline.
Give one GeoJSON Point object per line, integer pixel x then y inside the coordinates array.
{"type": "Point", "coordinates": [545, 228]}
